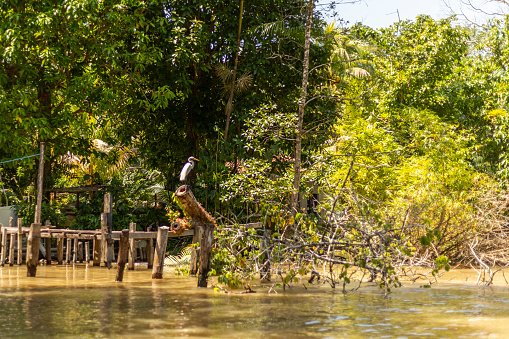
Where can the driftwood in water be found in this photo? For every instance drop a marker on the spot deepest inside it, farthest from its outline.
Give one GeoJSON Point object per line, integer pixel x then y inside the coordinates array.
{"type": "Point", "coordinates": [123, 253]}
{"type": "Point", "coordinates": [199, 217]}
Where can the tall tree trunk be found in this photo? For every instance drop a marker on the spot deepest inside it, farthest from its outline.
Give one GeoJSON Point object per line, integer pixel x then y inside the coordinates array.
{"type": "Point", "coordinates": [229, 105]}
{"type": "Point", "coordinates": [294, 199]}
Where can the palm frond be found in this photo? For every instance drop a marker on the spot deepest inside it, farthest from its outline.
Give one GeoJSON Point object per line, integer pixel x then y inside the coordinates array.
{"type": "Point", "coordinates": [244, 82]}
{"type": "Point", "coordinates": [358, 72]}
{"type": "Point", "coordinates": [223, 73]}
{"type": "Point", "coordinates": [183, 258]}
{"type": "Point", "coordinates": [279, 27]}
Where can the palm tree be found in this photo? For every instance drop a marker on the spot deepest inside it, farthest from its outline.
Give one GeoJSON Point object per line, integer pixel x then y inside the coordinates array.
{"type": "Point", "coordinates": [106, 162]}
{"type": "Point", "coordinates": [348, 57]}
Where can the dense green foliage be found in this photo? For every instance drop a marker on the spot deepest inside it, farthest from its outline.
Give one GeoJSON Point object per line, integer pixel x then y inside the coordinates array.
{"type": "Point", "coordinates": [404, 129]}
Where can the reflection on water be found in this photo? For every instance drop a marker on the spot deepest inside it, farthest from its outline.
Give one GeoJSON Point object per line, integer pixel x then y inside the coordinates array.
{"type": "Point", "coordinates": [63, 302]}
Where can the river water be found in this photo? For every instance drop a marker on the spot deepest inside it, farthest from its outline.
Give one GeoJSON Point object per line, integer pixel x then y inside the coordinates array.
{"type": "Point", "coordinates": [85, 302]}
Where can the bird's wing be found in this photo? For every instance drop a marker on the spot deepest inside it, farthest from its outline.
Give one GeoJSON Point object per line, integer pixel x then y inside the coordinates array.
{"type": "Point", "coordinates": [185, 171]}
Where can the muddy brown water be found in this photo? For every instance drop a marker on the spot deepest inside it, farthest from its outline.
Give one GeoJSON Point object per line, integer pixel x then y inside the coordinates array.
{"type": "Point", "coordinates": [85, 302]}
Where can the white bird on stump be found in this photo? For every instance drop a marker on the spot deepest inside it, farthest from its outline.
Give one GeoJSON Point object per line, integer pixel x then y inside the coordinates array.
{"type": "Point", "coordinates": [187, 168]}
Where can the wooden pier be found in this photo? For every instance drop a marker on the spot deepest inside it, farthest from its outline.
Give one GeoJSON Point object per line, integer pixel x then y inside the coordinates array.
{"type": "Point", "coordinates": [73, 243]}
{"type": "Point", "coordinates": [66, 246]}
{"type": "Point", "coordinates": [78, 244]}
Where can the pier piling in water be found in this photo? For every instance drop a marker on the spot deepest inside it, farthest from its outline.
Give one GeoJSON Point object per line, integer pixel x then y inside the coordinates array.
{"type": "Point", "coordinates": [123, 253]}
{"type": "Point", "coordinates": [33, 247]}
{"type": "Point", "coordinates": [160, 252]}
{"type": "Point", "coordinates": [132, 248]}
{"type": "Point", "coordinates": [3, 253]}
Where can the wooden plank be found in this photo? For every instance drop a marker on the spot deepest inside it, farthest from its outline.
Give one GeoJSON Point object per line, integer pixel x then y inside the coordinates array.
{"type": "Point", "coordinates": [81, 236]}
{"type": "Point", "coordinates": [115, 235]}
{"type": "Point", "coordinates": [79, 189]}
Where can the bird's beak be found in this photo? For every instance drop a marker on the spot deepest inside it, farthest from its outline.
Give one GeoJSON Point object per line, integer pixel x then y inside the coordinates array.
{"type": "Point", "coordinates": [196, 159]}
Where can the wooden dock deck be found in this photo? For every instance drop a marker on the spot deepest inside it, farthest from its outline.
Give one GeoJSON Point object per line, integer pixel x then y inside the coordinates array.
{"type": "Point", "coordinates": [75, 244]}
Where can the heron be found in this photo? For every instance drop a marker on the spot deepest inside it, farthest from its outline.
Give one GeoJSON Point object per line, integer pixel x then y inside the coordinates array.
{"type": "Point", "coordinates": [187, 168]}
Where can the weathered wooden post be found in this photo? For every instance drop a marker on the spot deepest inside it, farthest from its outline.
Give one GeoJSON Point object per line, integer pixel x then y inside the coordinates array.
{"type": "Point", "coordinates": [20, 241]}
{"type": "Point", "coordinates": [160, 252]}
{"type": "Point", "coordinates": [47, 245]}
{"type": "Point", "coordinates": [106, 248]}
{"type": "Point", "coordinates": [34, 237]}
{"type": "Point", "coordinates": [40, 178]}
{"type": "Point", "coordinates": [68, 251]}
{"type": "Point", "coordinates": [60, 250]}
{"type": "Point", "coordinates": [11, 249]}
{"type": "Point", "coordinates": [33, 245]}
{"type": "Point", "coordinates": [107, 254]}
{"type": "Point", "coordinates": [108, 210]}
{"type": "Point", "coordinates": [150, 251]}
{"type": "Point", "coordinates": [132, 248]}
{"type": "Point", "coordinates": [97, 252]}
{"type": "Point", "coordinates": [195, 252]}
{"type": "Point", "coordinates": [80, 251]}
{"type": "Point", "coordinates": [75, 251]}
{"type": "Point", "coordinates": [87, 252]}
{"type": "Point", "coordinates": [199, 217]}
{"type": "Point", "coordinates": [4, 246]}
{"type": "Point", "coordinates": [123, 253]}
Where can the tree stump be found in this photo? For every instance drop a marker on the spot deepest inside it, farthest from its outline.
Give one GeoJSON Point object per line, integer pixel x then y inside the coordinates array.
{"type": "Point", "coordinates": [199, 217]}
